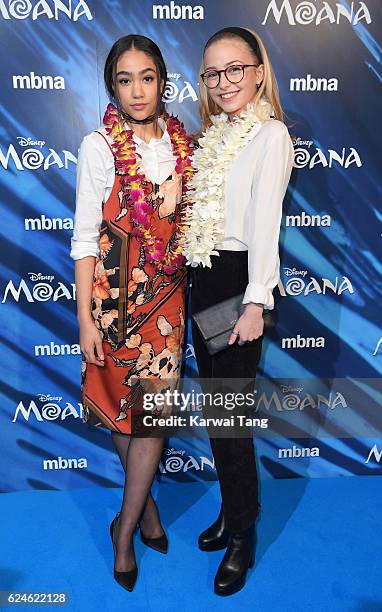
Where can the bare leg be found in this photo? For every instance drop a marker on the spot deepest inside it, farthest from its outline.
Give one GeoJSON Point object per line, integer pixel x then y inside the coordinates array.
{"type": "Point", "coordinates": [142, 461]}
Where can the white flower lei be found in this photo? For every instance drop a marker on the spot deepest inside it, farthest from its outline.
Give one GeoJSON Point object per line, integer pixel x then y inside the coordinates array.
{"type": "Point", "coordinates": [204, 219]}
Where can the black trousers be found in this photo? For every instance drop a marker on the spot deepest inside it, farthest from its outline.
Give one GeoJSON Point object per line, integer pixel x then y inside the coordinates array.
{"type": "Point", "coordinates": [234, 457]}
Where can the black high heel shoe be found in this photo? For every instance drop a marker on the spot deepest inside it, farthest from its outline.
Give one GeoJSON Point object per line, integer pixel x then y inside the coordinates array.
{"type": "Point", "coordinates": [160, 544]}
{"type": "Point", "coordinates": [238, 558]}
{"type": "Point", "coordinates": [128, 579]}
{"type": "Point", "coordinates": [215, 537]}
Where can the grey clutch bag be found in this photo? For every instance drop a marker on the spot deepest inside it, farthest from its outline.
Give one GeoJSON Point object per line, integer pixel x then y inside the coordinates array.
{"type": "Point", "coordinates": [217, 322]}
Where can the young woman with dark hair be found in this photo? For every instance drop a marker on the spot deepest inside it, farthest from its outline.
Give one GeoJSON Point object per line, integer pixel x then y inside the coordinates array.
{"type": "Point", "coordinates": [130, 275]}
{"type": "Point", "coordinates": [242, 169]}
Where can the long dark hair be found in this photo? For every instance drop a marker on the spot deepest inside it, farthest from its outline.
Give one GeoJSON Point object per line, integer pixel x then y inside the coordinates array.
{"type": "Point", "coordinates": [139, 43]}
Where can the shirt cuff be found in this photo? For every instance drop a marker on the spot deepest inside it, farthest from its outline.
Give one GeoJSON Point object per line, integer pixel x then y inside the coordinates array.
{"type": "Point", "coordinates": [79, 250]}
{"type": "Point", "coordinates": [259, 294]}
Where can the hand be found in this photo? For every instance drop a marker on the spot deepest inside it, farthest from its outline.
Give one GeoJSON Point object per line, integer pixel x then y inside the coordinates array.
{"type": "Point", "coordinates": [91, 343]}
{"type": "Point", "coordinates": [249, 326]}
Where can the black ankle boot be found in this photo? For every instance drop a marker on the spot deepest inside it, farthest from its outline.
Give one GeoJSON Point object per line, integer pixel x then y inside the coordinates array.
{"type": "Point", "coordinates": [215, 537]}
{"type": "Point", "coordinates": [239, 556]}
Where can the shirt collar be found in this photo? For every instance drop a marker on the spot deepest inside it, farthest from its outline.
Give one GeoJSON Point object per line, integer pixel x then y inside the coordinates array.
{"type": "Point", "coordinates": [155, 141]}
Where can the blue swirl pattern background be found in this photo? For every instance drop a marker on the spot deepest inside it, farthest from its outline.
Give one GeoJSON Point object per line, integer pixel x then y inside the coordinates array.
{"type": "Point", "coordinates": [40, 412]}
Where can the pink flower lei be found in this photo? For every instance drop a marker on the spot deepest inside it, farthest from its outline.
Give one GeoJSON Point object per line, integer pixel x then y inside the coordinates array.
{"type": "Point", "coordinates": [134, 196]}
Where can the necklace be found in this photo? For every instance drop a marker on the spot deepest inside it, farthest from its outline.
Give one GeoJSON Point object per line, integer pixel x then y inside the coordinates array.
{"type": "Point", "coordinates": [135, 194]}
{"type": "Point", "coordinates": [203, 219]}
{"type": "Point", "coordinates": [129, 119]}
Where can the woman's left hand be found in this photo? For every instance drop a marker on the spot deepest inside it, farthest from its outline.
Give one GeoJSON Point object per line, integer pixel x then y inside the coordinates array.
{"type": "Point", "coordinates": [249, 326]}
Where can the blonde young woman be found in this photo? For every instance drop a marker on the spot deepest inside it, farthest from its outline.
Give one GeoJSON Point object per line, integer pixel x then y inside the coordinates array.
{"type": "Point", "coordinates": [243, 165]}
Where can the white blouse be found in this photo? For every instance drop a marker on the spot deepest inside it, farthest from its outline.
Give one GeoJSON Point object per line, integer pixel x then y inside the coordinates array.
{"type": "Point", "coordinates": [255, 189]}
{"type": "Point", "coordinates": [95, 180]}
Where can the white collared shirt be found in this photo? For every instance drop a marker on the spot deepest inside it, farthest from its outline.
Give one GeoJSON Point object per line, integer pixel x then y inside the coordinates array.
{"type": "Point", "coordinates": [255, 188]}
{"type": "Point", "coordinates": [95, 180]}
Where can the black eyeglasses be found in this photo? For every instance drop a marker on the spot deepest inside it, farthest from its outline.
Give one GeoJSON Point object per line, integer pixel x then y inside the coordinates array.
{"type": "Point", "coordinates": [233, 74]}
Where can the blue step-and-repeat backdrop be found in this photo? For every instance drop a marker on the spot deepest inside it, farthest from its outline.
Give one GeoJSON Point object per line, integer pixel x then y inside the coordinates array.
{"type": "Point", "coordinates": [327, 59]}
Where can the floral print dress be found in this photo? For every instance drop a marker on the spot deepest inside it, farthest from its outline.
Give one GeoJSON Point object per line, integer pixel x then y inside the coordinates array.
{"type": "Point", "coordinates": [138, 310]}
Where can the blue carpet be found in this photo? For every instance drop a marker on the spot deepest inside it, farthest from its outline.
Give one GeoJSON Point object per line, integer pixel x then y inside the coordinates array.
{"type": "Point", "coordinates": [319, 548]}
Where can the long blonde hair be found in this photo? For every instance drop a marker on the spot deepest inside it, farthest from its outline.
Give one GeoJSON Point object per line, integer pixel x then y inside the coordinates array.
{"type": "Point", "coordinates": [268, 89]}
